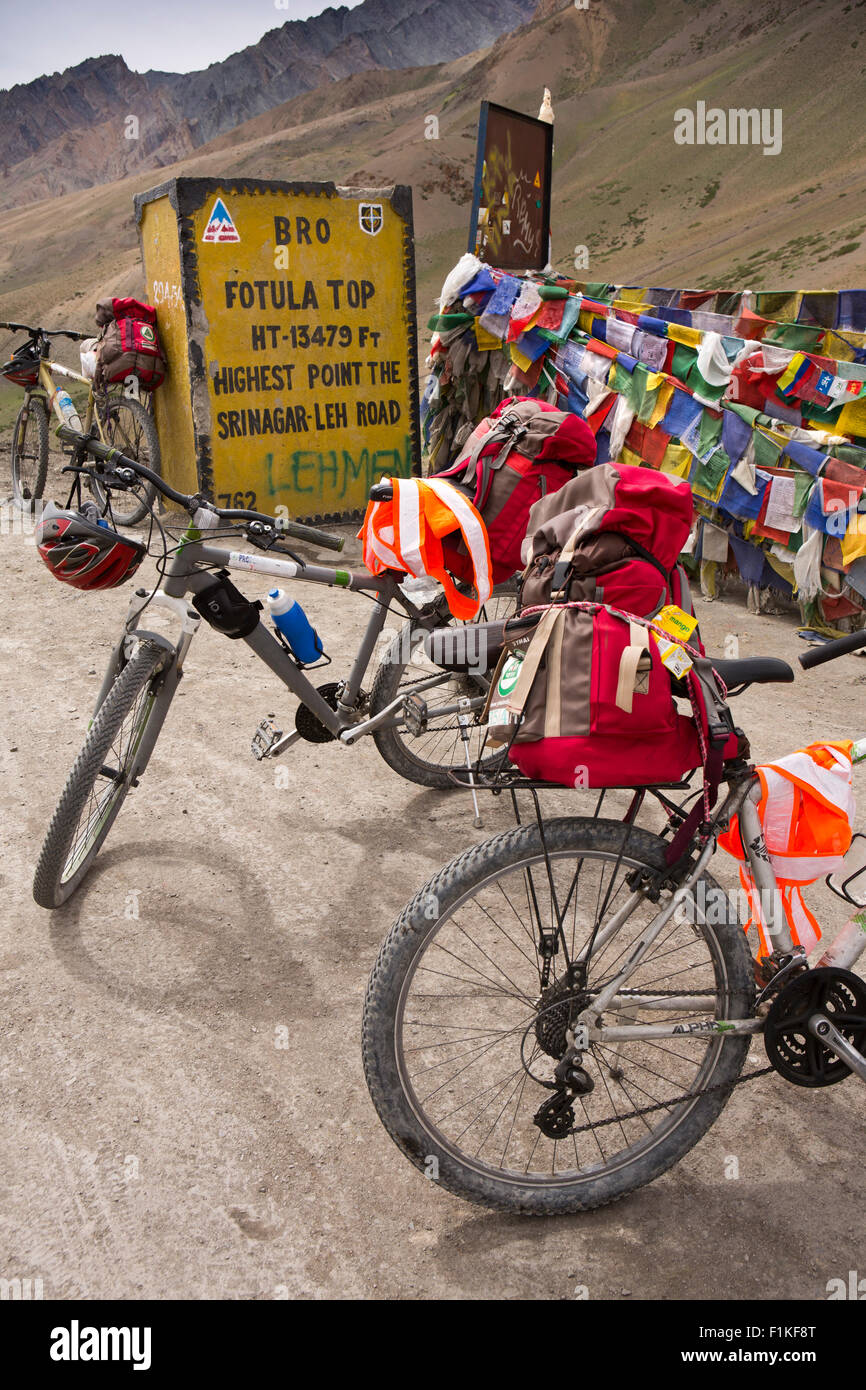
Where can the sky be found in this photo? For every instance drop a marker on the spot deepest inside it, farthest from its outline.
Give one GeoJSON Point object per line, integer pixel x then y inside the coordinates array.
{"type": "Point", "coordinates": [172, 35]}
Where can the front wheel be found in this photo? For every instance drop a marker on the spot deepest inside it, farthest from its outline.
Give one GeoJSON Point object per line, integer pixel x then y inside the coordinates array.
{"type": "Point", "coordinates": [463, 1028]}
{"type": "Point", "coordinates": [429, 757]}
{"type": "Point", "coordinates": [100, 779]}
{"type": "Point", "coordinates": [29, 453]}
{"type": "Point", "coordinates": [130, 428]}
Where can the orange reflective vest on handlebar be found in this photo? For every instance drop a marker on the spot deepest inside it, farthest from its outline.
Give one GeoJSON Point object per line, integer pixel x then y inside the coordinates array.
{"type": "Point", "coordinates": [406, 534]}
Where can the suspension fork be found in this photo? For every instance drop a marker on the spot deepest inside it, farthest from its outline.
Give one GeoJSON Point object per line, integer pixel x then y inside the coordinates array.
{"type": "Point", "coordinates": [190, 621]}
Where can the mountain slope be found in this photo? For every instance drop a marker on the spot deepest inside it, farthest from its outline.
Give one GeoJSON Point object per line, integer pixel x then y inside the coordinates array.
{"type": "Point", "coordinates": [72, 130]}
{"type": "Point", "coordinates": [650, 211]}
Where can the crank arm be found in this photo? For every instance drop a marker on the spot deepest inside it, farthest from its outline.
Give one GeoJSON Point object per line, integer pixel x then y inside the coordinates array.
{"type": "Point", "coordinates": [386, 716]}
{"type": "Point", "coordinates": [827, 1033]}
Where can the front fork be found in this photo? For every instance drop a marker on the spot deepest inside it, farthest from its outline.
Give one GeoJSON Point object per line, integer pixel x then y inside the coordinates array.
{"type": "Point", "coordinates": [175, 651]}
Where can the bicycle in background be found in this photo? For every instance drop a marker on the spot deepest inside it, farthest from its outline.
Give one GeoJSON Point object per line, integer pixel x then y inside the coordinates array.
{"type": "Point", "coordinates": [118, 420]}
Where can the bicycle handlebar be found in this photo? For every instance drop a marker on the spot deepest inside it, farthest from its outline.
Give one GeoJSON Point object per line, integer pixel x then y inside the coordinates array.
{"type": "Point", "coordinates": [106, 454]}
{"type": "Point", "coordinates": [830, 650]}
{"type": "Point", "coordinates": [46, 332]}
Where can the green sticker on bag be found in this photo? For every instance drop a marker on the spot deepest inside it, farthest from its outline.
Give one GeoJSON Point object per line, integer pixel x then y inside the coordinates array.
{"type": "Point", "coordinates": [508, 676]}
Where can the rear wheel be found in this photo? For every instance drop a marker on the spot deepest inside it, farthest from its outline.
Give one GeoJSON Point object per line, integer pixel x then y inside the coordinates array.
{"type": "Point", "coordinates": [463, 1030]}
{"type": "Point", "coordinates": [30, 453]}
{"type": "Point", "coordinates": [429, 757]}
{"type": "Point", "coordinates": [130, 428]}
{"type": "Point", "coordinates": [100, 779]}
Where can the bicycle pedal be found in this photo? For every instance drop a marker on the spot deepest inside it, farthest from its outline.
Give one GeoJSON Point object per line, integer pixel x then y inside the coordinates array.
{"type": "Point", "coordinates": [264, 740]}
{"type": "Point", "coordinates": [415, 714]}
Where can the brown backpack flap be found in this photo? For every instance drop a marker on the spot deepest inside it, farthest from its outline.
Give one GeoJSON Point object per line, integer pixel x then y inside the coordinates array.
{"type": "Point", "coordinates": [554, 519]}
{"type": "Point", "coordinates": [544, 703]}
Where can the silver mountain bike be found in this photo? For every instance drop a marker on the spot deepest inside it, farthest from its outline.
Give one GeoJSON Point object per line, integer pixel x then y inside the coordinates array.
{"type": "Point", "coordinates": [563, 1011]}
{"type": "Point", "coordinates": [422, 719]}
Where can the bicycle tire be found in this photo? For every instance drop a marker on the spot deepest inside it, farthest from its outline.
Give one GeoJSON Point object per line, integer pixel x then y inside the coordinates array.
{"type": "Point", "coordinates": [52, 883]}
{"type": "Point", "coordinates": [401, 750]}
{"type": "Point", "coordinates": [24, 492]}
{"type": "Point", "coordinates": [130, 427]}
{"type": "Point", "coordinates": [384, 1053]}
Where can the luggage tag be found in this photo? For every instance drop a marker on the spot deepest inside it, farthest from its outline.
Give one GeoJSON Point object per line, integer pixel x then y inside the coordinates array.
{"type": "Point", "coordinates": [500, 720]}
{"type": "Point", "coordinates": [680, 626]}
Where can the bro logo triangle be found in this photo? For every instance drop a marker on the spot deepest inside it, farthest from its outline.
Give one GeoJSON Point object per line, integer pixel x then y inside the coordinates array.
{"type": "Point", "coordinates": [220, 226]}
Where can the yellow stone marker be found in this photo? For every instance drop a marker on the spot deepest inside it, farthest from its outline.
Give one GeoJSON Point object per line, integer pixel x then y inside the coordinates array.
{"type": "Point", "coordinates": [287, 314]}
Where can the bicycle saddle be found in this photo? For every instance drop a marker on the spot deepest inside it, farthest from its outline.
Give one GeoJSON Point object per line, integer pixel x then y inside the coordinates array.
{"type": "Point", "coordinates": [751, 670]}
{"type": "Point", "coordinates": [473, 645]}
{"type": "Point", "coordinates": [381, 492]}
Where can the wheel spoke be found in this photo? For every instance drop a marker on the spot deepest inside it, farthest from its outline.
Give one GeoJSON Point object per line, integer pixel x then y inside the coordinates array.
{"type": "Point", "coordinates": [492, 1060]}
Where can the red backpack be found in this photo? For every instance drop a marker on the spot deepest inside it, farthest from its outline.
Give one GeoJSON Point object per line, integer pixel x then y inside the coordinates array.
{"type": "Point", "coordinates": [585, 693]}
{"type": "Point", "coordinates": [128, 344]}
{"type": "Point", "coordinates": [525, 450]}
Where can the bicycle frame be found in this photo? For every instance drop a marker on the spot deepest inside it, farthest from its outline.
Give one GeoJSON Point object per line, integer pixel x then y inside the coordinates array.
{"type": "Point", "coordinates": [741, 801]}
{"type": "Point", "coordinates": [47, 370]}
{"type": "Point", "coordinates": [184, 576]}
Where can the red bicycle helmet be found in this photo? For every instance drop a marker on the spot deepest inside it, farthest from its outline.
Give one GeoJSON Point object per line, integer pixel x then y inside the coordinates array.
{"type": "Point", "coordinates": [84, 553]}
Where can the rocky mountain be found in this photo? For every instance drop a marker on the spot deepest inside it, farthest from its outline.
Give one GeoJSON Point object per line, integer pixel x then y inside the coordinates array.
{"type": "Point", "coordinates": [647, 209]}
{"type": "Point", "coordinates": [99, 120]}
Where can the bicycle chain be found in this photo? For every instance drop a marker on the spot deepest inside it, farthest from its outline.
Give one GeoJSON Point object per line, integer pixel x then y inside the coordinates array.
{"type": "Point", "coordinates": [665, 1104]}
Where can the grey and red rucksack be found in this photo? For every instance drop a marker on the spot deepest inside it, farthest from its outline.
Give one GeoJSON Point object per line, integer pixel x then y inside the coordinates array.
{"type": "Point", "coordinates": [584, 697]}
{"type": "Point", "coordinates": [527, 449]}
{"type": "Point", "coordinates": [128, 344]}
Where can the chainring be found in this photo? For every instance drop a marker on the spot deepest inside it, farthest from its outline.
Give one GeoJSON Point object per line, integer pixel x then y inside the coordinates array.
{"type": "Point", "coordinates": [794, 1052]}
{"type": "Point", "coordinates": [306, 723]}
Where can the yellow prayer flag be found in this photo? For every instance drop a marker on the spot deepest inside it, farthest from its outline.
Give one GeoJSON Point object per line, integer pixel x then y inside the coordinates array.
{"type": "Point", "coordinates": [660, 409]}
{"type": "Point", "coordinates": [690, 337]}
{"type": "Point", "coordinates": [520, 358]}
{"type": "Point", "coordinates": [486, 342]}
{"type": "Point", "coordinates": [677, 461]}
{"type": "Point", "coordinates": [854, 540]}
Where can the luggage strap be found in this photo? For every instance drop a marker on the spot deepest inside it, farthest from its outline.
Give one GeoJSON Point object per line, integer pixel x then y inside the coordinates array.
{"type": "Point", "coordinates": [563, 564]}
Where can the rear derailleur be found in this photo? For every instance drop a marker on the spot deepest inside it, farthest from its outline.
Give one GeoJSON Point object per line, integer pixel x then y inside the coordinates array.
{"type": "Point", "coordinates": [559, 1006]}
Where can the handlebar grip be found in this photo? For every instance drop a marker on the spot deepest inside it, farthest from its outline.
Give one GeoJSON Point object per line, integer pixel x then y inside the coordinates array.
{"type": "Point", "coordinates": [313, 535]}
{"type": "Point", "coordinates": [95, 447]}
{"type": "Point", "coordinates": [71, 436]}
{"type": "Point", "coordinates": [830, 650]}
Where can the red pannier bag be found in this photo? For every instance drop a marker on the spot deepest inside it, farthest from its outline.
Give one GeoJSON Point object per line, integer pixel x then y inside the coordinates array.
{"type": "Point", "coordinates": [128, 344]}
{"type": "Point", "coordinates": [527, 449]}
{"type": "Point", "coordinates": [592, 696]}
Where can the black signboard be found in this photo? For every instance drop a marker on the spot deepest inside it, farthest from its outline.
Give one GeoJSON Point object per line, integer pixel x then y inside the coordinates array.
{"type": "Point", "coordinates": [510, 224]}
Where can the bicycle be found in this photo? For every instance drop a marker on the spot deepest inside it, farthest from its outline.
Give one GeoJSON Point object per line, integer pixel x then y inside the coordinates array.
{"type": "Point", "coordinates": [563, 1011]}
{"type": "Point", "coordinates": [120, 420]}
{"type": "Point", "coordinates": [423, 725]}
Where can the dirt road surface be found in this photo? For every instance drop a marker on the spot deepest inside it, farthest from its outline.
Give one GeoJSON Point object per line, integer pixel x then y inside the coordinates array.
{"type": "Point", "coordinates": [184, 1113]}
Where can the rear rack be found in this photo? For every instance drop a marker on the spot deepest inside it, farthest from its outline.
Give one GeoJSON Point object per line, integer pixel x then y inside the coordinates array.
{"type": "Point", "coordinates": [509, 779]}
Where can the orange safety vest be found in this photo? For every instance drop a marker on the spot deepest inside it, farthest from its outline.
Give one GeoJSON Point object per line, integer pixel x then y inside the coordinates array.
{"type": "Point", "coordinates": [806, 809]}
{"type": "Point", "coordinates": [406, 534]}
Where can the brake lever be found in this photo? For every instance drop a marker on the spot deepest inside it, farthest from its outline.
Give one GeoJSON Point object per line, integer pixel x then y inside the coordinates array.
{"type": "Point", "coordinates": [265, 538]}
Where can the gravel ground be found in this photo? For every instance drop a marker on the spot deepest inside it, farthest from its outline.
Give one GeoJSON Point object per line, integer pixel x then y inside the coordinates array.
{"type": "Point", "coordinates": [184, 1113]}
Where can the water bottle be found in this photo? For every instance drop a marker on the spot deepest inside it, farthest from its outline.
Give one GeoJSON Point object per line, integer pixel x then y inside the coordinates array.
{"type": "Point", "coordinates": [67, 409]}
{"type": "Point", "coordinates": [290, 619]}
